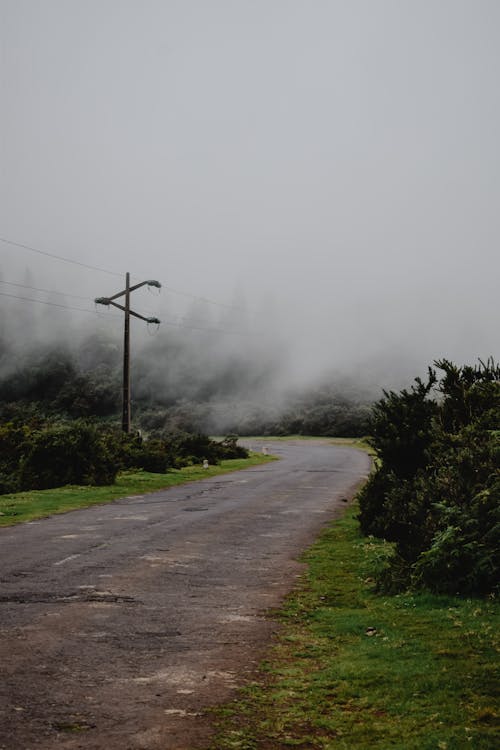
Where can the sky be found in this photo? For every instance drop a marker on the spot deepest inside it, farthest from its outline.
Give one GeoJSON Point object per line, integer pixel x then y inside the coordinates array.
{"type": "Point", "coordinates": [331, 166]}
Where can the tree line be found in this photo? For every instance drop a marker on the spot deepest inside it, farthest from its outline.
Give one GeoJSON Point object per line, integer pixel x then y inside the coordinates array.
{"type": "Point", "coordinates": [175, 390]}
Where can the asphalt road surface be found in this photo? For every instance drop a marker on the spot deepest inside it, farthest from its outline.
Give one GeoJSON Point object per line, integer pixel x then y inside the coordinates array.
{"type": "Point", "coordinates": [120, 624]}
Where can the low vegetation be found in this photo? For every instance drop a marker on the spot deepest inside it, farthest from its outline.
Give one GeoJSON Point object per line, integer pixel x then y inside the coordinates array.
{"type": "Point", "coordinates": [42, 455]}
{"type": "Point", "coordinates": [436, 490]}
{"type": "Point", "coordinates": [352, 668]}
{"type": "Point", "coordinates": [392, 639]}
{"type": "Point", "coordinates": [28, 506]}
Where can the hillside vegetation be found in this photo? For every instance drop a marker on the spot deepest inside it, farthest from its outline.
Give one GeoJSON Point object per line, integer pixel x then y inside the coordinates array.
{"type": "Point", "coordinates": [178, 385]}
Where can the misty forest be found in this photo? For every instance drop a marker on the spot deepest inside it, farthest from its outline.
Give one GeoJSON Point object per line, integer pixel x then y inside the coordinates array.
{"type": "Point", "coordinates": [435, 490]}
{"type": "Point", "coordinates": [326, 212]}
{"type": "Point", "coordinates": [249, 374]}
{"type": "Point", "coordinates": [190, 379]}
{"type": "Point", "coordinates": [186, 384]}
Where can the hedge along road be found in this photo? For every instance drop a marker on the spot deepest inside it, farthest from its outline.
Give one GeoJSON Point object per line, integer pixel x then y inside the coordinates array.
{"type": "Point", "coordinates": [120, 624]}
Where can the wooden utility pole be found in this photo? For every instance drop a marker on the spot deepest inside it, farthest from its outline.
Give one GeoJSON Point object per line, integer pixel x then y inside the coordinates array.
{"type": "Point", "coordinates": [126, 360]}
{"type": "Point", "coordinates": [126, 338]}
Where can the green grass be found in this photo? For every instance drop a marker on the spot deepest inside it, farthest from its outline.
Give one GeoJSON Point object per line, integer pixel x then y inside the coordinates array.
{"type": "Point", "coordinates": [356, 442]}
{"type": "Point", "coordinates": [424, 680]}
{"type": "Point", "coordinates": [27, 506]}
{"type": "Point", "coordinates": [362, 443]}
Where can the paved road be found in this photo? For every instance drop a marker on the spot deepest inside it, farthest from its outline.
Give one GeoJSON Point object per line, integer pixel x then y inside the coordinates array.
{"type": "Point", "coordinates": [121, 623]}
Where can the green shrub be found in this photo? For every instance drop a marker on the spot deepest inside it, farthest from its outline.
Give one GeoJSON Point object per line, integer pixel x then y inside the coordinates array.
{"type": "Point", "coordinates": [133, 452]}
{"type": "Point", "coordinates": [14, 440]}
{"type": "Point", "coordinates": [42, 455]}
{"type": "Point", "coordinates": [436, 491]}
{"type": "Point", "coordinates": [183, 447]}
{"type": "Point", "coordinates": [62, 454]}
{"type": "Point", "coordinates": [463, 553]}
{"type": "Point", "coordinates": [229, 448]}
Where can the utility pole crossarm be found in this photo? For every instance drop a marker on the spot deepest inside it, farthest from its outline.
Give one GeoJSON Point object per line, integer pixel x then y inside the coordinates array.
{"type": "Point", "coordinates": [126, 339]}
{"type": "Point", "coordinates": [101, 300]}
{"type": "Point", "coordinates": [151, 282]}
{"type": "Point", "coordinates": [109, 301]}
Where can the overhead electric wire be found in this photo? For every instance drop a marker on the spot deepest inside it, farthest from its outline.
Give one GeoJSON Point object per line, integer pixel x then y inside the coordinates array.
{"type": "Point", "coordinates": [116, 317]}
{"type": "Point", "coordinates": [58, 257]}
{"type": "Point", "coordinates": [116, 273]}
{"type": "Point", "coordinates": [203, 299]}
{"type": "Point", "coordinates": [46, 291]}
{"type": "Point", "coordinates": [205, 330]}
{"type": "Point", "coordinates": [54, 304]}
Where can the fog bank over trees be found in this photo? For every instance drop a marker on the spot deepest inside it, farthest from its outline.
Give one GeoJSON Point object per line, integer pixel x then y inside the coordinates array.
{"type": "Point", "coordinates": [196, 378]}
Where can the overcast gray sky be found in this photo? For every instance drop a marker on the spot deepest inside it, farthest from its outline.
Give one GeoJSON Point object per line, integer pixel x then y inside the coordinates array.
{"type": "Point", "coordinates": [334, 161]}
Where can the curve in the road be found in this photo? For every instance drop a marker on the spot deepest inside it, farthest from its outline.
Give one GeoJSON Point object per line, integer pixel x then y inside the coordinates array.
{"type": "Point", "coordinates": [120, 624]}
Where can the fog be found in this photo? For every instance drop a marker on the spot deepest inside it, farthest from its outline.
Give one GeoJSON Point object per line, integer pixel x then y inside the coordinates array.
{"type": "Point", "coordinates": [325, 173]}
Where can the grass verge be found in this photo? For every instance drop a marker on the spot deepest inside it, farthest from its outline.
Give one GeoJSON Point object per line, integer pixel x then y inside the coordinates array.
{"type": "Point", "coordinates": [361, 442]}
{"type": "Point", "coordinates": [27, 506]}
{"type": "Point", "coordinates": [353, 669]}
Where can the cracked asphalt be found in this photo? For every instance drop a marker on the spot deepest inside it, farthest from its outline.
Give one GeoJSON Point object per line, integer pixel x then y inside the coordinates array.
{"type": "Point", "coordinates": [121, 624]}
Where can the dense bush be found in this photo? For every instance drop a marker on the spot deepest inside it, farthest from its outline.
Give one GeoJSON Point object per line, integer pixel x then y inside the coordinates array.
{"type": "Point", "coordinates": [436, 491]}
{"type": "Point", "coordinates": [41, 455]}
{"type": "Point", "coordinates": [185, 448]}
{"type": "Point", "coordinates": [130, 451]}
{"type": "Point", "coordinates": [13, 443]}
{"type": "Point", "coordinates": [62, 454]}
{"type": "Point", "coordinates": [229, 448]}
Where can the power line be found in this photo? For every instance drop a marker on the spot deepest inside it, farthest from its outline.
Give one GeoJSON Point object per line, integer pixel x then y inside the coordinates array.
{"type": "Point", "coordinates": [58, 257]}
{"type": "Point", "coordinates": [206, 330]}
{"type": "Point", "coordinates": [53, 304]}
{"type": "Point", "coordinates": [116, 317]}
{"type": "Point", "coordinates": [46, 291]}
{"type": "Point", "coordinates": [115, 273]}
{"type": "Point", "coordinates": [204, 299]}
